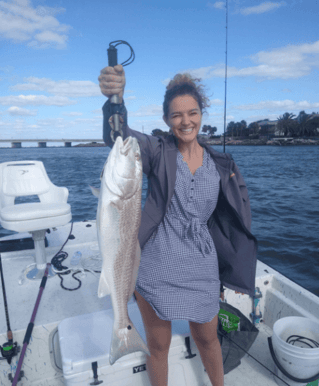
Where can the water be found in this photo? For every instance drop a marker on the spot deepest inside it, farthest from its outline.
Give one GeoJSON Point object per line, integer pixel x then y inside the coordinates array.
{"type": "Point", "coordinates": [283, 187]}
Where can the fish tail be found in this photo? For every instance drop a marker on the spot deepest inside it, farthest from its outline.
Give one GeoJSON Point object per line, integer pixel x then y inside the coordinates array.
{"type": "Point", "coordinates": [126, 341]}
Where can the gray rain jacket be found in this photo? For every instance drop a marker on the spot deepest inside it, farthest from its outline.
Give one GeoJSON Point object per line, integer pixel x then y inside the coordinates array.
{"type": "Point", "coordinates": [229, 224]}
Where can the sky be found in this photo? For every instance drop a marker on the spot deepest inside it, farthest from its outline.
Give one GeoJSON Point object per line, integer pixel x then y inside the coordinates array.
{"type": "Point", "coordinates": [52, 52]}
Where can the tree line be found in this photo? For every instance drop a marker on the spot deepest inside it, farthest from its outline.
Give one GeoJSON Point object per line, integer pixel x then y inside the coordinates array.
{"type": "Point", "coordinates": [288, 125]}
{"type": "Point", "coordinates": [304, 125]}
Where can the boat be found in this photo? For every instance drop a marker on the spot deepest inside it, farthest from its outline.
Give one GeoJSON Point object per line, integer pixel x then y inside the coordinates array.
{"type": "Point", "coordinates": [277, 297]}
{"type": "Point", "coordinates": [70, 340]}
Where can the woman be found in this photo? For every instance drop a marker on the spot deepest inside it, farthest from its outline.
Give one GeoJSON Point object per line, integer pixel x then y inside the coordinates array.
{"type": "Point", "coordinates": [195, 226]}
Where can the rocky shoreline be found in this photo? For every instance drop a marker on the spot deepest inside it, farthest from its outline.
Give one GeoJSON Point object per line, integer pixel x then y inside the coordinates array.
{"type": "Point", "coordinates": [265, 142]}
{"type": "Point", "coordinates": [243, 142]}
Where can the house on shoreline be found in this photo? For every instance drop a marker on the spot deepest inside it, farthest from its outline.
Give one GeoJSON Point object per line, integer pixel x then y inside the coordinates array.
{"type": "Point", "coordinates": [268, 128]}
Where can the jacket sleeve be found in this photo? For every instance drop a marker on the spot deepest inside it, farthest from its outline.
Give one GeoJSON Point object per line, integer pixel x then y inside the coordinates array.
{"type": "Point", "coordinates": [243, 191]}
{"type": "Point", "coordinates": [149, 145]}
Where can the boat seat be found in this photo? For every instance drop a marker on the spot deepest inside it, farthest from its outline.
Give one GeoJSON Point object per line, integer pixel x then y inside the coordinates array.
{"type": "Point", "coordinates": [29, 178]}
{"type": "Point", "coordinates": [34, 214]}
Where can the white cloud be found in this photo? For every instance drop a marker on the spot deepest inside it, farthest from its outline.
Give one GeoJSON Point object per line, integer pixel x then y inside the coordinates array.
{"type": "Point", "coordinates": [260, 117]}
{"type": "Point", "coordinates": [57, 123]}
{"type": "Point", "coordinates": [285, 105]}
{"type": "Point", "coordinates": [66, 88]}
{"type": "Point", "coordinates": [148, 111]}
{"type": "Point", "coordinates": [89, 121]}
{"type": "Point", "coordinates": [217, 4]}
{"type": "Point", "coordinates": [58, 127]}
{"type": "Point", "coordinates": [36, 100]}
{"type": "Point", "coordinates": [73, 114]}
{"type": "Point", "coordinates": [21, 22]}
{"type": "Point", "coordinates": [261, 8]}
{"type": "Point", "coordinates": [202, 73]}
{"type": "Point", "coordinates": [14, 110]}
{"type": "Point", "coordinates": [216, 102]}
{"type": "Point", "coordinates": [292, 61]}
{"type": "Point", "coordinates": [149, 125]}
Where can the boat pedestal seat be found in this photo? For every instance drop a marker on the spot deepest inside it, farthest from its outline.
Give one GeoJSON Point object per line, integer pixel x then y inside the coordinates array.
{"type": "Point", "coordinates": [29, 178]}
{"type": "Point", "coordinates": [35, 216]}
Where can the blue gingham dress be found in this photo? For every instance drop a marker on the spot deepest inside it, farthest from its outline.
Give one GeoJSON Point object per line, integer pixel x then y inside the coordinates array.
{"type": "Point", "coordinates": [178, 274]}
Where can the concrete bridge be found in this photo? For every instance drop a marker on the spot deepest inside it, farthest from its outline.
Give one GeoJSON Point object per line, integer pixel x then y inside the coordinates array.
{"type": "Point", "coordinates": [17, 143]}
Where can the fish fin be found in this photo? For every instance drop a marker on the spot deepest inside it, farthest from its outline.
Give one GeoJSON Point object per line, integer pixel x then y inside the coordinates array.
{"type": "Point", "coordinates": [126, 341]}
{"type": "Point", "coordinates": [104, 288]}
{"type": "Point", "coordinates": [95, 191]}
{"type": "Point", "coordinates": [117, 203]}
{"type": "Point", "coordinates": [137, 259]}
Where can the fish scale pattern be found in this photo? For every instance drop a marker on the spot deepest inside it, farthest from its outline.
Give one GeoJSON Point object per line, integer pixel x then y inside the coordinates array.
{"type": "Point", "coordinates": [178, 274]}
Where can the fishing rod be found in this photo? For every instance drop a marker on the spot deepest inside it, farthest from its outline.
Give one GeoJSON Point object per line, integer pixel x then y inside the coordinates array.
{"type": "Point", "coordinates": [8, 349]}
{"type": "Point", "coordinates": [115, 104]}
{"type": "Point", "coordinates": [225, 72]}
{"type": "Point", "coordinates": [30, 327]}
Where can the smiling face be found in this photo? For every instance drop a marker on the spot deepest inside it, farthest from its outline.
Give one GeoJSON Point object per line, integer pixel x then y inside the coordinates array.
{"type": "Point", "coordinates": [184, 118]}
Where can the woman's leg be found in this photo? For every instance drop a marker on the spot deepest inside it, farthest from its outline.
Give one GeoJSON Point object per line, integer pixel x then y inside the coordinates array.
{"type": "Point", "coordinates": [206, 339]}
{"type": "Point", "coordinates": [158, 335]}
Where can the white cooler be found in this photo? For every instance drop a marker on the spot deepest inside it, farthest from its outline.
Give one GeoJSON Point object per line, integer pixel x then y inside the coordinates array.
{"type": "Point", "coordinates": [85, 340]}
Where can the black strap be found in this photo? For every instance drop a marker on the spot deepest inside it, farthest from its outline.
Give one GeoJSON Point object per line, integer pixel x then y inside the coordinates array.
{"type": "Point", "coordinates": [96, 379]}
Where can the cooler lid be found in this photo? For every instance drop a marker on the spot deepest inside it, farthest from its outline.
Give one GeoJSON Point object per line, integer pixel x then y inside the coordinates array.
{"type": "Point", "coordinates": [87, 338]}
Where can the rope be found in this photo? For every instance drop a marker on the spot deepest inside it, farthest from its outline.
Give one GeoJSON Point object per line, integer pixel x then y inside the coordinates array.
{"type": "Point", "coordinates": [59, 269]}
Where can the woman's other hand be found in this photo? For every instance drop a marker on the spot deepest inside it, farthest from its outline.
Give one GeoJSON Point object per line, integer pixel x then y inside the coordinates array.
{"type": "Point", "coordinates": [112, 81]}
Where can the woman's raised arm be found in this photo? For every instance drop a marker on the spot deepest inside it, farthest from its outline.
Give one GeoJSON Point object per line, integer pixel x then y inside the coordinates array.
{"type": "Point", "coordinates": [112, 82]}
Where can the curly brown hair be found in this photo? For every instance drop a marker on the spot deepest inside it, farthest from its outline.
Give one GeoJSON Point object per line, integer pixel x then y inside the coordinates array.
{"type": "Point", "coordinates": [185, 84]}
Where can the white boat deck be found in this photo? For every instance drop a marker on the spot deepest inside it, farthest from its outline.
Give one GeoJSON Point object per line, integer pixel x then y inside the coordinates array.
{"type": "Point", "coordinates": [280, 298]}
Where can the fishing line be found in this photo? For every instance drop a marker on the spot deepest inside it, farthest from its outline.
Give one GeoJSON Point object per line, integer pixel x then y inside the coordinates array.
{"type": "Point", "coordinates": [225, 102]}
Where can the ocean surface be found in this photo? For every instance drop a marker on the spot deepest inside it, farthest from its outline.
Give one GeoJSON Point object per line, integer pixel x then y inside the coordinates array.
{"type": "Point", "coordinates": [283, 187]}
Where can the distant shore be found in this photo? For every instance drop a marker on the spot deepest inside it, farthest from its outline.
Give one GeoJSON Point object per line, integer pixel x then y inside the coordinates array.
{"type": "Point", "coordinates": [243, 142]}
{"type": "Point", "coordinates": [265, 142]}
